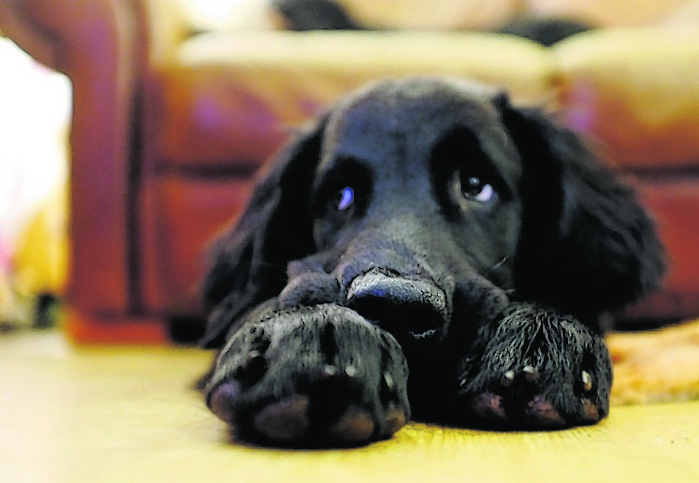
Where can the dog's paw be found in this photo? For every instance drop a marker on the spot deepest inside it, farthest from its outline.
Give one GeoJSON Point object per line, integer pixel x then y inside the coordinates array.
{"type": "Point", "coordinates": [310, 376]}
{"type": "Point", "coordinates": [538, 370]}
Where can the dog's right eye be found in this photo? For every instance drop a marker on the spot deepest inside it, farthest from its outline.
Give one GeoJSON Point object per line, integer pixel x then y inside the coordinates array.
{"type": "Point", "coordinates": [469, 186]}
{"type": "Point", "coordinates": [344, 199]}
{"type": "Point", "coordinates": [475, 189]}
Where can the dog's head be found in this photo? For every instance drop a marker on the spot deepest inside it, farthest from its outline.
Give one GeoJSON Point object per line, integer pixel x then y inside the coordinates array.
{"type": "Point", "coordinates": [424, 203]}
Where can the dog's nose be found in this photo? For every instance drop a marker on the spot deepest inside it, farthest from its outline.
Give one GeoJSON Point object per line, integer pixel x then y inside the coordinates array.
{"type": "Point", "coordinates": [399, 304]}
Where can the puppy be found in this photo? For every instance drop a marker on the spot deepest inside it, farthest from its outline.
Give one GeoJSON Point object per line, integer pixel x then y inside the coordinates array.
{"type": "Point", "coordinates": [424, 250]}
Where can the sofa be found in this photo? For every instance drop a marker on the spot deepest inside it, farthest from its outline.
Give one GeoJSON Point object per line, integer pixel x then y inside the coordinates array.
{"type": "Point", "coordinates": [171, 123]}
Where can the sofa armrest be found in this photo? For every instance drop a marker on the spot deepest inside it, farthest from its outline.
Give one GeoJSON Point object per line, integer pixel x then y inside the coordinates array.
{"type": "Point", "coordinates": [16, 25]}
{"type": "Point", "coordinates": [99, 45]}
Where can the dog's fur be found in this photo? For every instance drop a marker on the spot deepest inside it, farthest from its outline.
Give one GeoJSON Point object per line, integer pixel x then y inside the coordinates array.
{"type": "Point", "coordinates": [423, 226]}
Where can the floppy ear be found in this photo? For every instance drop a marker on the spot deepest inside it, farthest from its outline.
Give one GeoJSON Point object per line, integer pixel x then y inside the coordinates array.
{"type": "Point", "coordinates": [587, 245]}
{"type": "Point", "coordinates": [249, 261]}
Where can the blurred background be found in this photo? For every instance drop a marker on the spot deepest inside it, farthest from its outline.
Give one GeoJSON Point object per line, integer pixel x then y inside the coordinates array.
{"type": "Point", "coordinates": [34, 153]}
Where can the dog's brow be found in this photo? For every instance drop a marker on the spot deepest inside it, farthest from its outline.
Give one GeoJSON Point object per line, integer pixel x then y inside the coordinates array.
{"type": "Point", "coordinates": [461, 145]}
{"type": "Point", "coordinates": [338, 170]}
{"type": "Point", "coordinates": [339, 164]}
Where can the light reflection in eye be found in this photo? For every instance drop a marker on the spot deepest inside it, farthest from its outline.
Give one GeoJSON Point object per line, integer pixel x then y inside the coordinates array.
{"type": "Point", "coordinates": [345, 198]}
{"type": "Point", "coordinates": [486, 194]}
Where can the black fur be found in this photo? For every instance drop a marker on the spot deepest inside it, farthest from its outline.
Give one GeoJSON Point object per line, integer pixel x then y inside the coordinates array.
{"type": "Point", "coordinates": [480, 248]}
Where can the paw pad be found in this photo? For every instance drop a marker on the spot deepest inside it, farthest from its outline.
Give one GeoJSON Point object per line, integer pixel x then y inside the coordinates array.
{"type": "Point", "coordinates": [286, 420]}
{"type": "Point", "coordinates": [489, 407]}
{"type": "Point", "coordinates": [308, 376]}
{"type": "Point", "coordinates": [497, 407]}
{"type": "Point", "coordinates": [220, 400]}
{"type": "Point", "coordinates": [542, 414]}
{"type": "Point", "coordinates": [591, 413]}
{"type": "Point", "coordinates": [356, 425]}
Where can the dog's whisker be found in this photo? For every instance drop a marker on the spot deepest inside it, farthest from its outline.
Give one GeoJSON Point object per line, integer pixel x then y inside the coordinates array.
{"type": "Point", "coordinates": [500, 263]}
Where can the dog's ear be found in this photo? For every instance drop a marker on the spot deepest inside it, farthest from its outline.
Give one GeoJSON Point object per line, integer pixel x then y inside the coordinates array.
{"type": "Point", "coordinates": [249, 261]}
{"type": "Point", "coordinates": [587, 245]}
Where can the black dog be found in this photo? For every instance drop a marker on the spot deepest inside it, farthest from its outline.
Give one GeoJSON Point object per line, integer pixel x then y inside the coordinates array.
{"type": "Point", "coordinates": [424, 225]}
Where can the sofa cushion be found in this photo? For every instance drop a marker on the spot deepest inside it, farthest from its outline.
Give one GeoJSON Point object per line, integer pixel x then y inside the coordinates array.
{"type": "Point", "coordinates": [606, 13]}
{"type": "Point", "coordinates": [635, 92]}
{"type": "Point", "coordinates": [231, 99]}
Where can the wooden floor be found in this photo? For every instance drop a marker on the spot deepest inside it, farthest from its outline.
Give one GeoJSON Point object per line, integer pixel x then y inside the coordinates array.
{"type": "Point", "coordinates": [128, 415]}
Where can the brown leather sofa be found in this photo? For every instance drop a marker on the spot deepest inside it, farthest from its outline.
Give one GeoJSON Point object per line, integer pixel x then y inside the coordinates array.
{"type": "Point", "coordinates": [169, 128]}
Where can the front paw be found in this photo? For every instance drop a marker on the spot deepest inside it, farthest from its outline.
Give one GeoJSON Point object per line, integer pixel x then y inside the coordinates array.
{"type": "Point", "coordinates": [311, 375]}
{"type": "Point", "coordinates": [538, 370]}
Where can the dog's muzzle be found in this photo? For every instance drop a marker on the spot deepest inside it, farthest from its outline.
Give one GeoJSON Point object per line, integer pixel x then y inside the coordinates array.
{"type": "Point", "coordinates": [397, 304]}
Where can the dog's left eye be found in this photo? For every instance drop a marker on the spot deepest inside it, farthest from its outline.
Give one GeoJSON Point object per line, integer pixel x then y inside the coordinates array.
{"type": "Point", "coordinates": [474, 188]}
{"type": "Point", "coordinates": [345, 199]}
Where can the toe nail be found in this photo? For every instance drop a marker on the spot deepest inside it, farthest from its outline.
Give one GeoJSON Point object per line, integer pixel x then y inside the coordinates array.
{"type": "Point", "coordinates": [351, 371]}
{"type": "Point", "coordinates": [388, 380]}
{"type": "Point", "coordinates": [531, 374]}
{"type": "Point", "coordinates": [329, 370]}
{"type": "Point", "coordinates": [586, 381]}
{"type": "Point", "coordinates": [507, 379]}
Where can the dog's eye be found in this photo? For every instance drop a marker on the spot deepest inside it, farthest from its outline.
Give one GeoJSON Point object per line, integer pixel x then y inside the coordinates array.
{"type": "Point", "coordinates": [474, 188]}
{"type": "Point", "coordinates": [344, 199]}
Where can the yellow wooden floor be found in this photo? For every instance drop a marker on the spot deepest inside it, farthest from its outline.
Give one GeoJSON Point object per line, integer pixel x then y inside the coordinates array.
{"type": "Point", "coordinates": [127, 415]}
